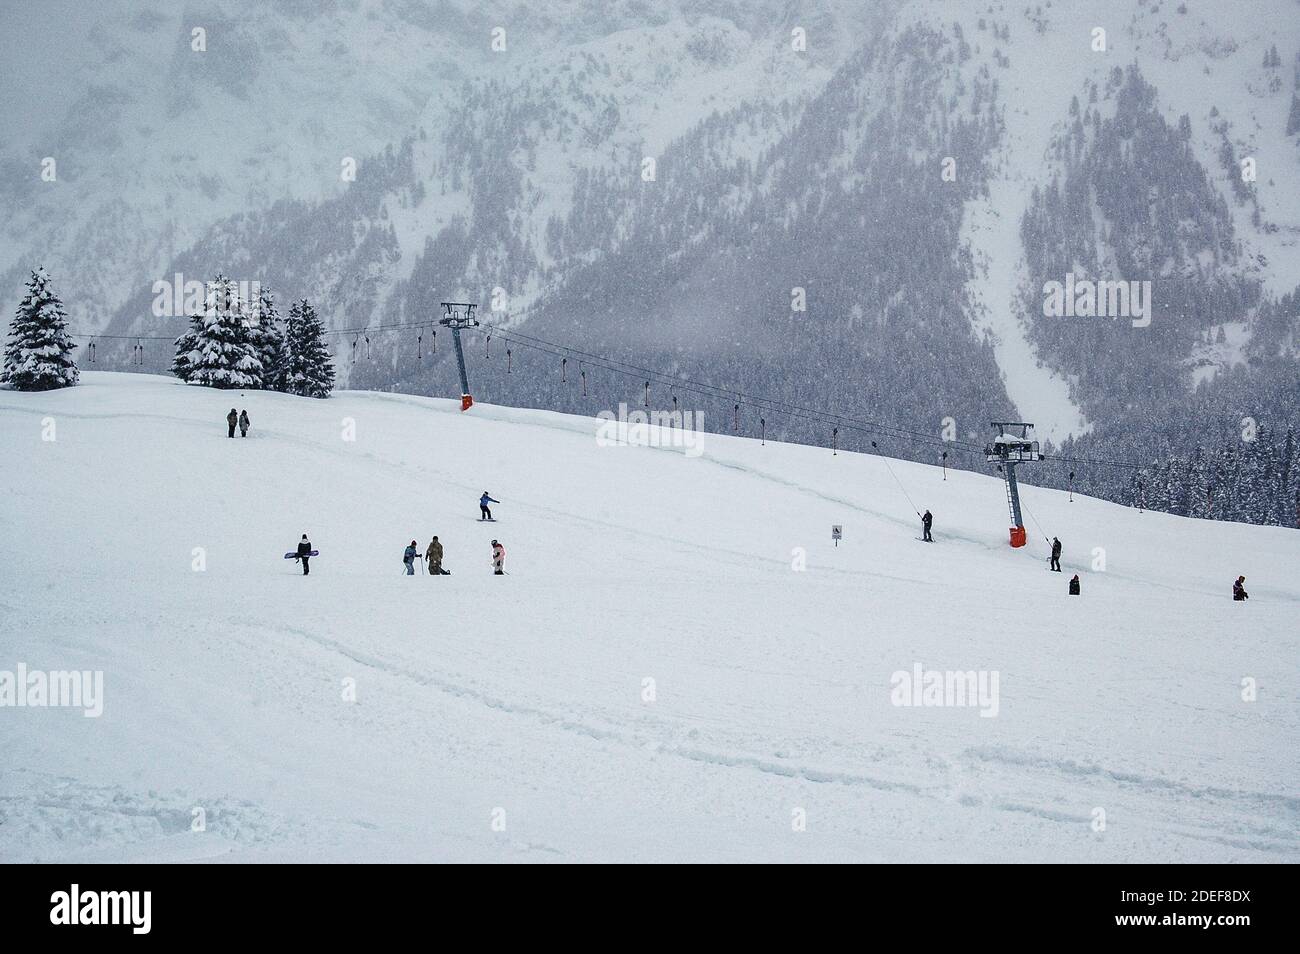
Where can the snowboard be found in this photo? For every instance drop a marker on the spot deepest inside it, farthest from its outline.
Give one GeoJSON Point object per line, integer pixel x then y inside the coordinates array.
{"type": "Point", "coordinates": [487, 519]}
{"type": "Point", "coordinates": [293, 556]}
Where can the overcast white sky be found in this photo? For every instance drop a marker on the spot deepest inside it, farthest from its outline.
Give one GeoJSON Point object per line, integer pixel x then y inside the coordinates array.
{"type": "Point", "coordinates": [37, 39]}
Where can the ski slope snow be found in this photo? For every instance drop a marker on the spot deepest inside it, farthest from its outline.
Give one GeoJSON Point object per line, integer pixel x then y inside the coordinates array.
{"type": "Point", "coordinates": [654, 680]}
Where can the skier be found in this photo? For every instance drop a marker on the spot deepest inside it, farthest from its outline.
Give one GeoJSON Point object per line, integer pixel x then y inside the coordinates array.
{"type": "Point", "coordinates": [926, 519]}
{"type": "Point", "coordinates": [485, 513]}
{"type": "Point", "coordinates": [1074, 585]}
{"type": "Point", "coordinates": [408, 558]}
{"type": "Point", "coordinates": [244, 423]}
{"type": "Point", "coordinates": [1056, 554]}
{"type": "Point", "coordinates": [434, 556]}
{"type": "Point", "coordinates": [304, 550]}
{"type": "Point", "coordinates": [232, 419]}
{"type": "Point", "coordinates": [498, 559]}
{"type": "Point", "coordinates": [1239, 590]}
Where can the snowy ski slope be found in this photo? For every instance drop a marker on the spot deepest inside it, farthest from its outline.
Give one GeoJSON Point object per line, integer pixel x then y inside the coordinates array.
{"type": "Point", "coordinates": [510, 719]}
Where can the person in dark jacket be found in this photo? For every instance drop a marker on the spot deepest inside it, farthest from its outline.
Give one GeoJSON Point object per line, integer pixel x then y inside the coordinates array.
{"type": "Point", "coordinates": [485, 512]}
{"type": "Point", "coordinates": [244, 423]}
{"type": "Point", "coordinates": [1074, 585]}
{"type": "Point", "coordinates": [232, 419]}
{"type": "Point", "coordinates": [408, 557]}
{"type": "Point", "coordinates": [1056, 554]}
{"type": "Point", "coordinates": [304, 551]}
{"type": "Point", "coordinates": [926, 519]}
{"type": "Point", "coordinates": [1239, 589]}
{"type": "Point", "coordinates": [434, 556]}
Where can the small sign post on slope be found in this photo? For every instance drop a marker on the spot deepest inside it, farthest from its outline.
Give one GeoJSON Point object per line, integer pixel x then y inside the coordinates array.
{"type": "Point", "coordinates": [837, 533]}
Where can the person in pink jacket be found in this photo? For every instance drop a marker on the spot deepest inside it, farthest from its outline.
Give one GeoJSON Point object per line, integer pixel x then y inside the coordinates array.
{"type": "Point", "coordinates": [498, 559]}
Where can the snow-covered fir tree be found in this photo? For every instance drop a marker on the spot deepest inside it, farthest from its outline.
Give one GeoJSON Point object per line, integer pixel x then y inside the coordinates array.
{"type": "Point", "coordinates": [224, 355]}
{"type": "Point", "coordinates": [187, 349]}
{"type": "Point", "coordinates": [268, 336]}
{"type": "Point", "coordinates": [310, 367]}
{"type": "Point", "coordinates": [38, 356]}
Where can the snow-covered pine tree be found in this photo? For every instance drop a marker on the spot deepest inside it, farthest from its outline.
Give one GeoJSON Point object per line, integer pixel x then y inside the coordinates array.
{"type": "Point", "coordinates": [187, 349]}
{"type": "Point", "coordinates": [226, 357]}
{"type": "Point", "coordinates": [310, 367]}
{"type": "Point", "coordinates": [38, 356]}
{"type": "Point", "coordinates": [268, 336]}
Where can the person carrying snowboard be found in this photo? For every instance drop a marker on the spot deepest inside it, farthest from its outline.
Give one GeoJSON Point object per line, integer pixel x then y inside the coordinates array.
{"type": "Point", "coordinates": [231, 420]}
{"type": "Point", "coordinates": [926, 519]}
{"type": "Point", "coordinates": [1239, 590]}
{"type": "Point", "coordinates": [485, 513]}
{"type": "Point", "coordinates": [1056, 554]}
{"type": "Point", "coordinates": [498, 559]}
{"type": "Point", "coordinates": [408, 558]}
{"type": "Point", "coordinates": [244, 423]}
{"type": "Point", "coordinates": [304, 551]}
{"type": "Point", "coordinates": [434, 556]}
{"type": "Point", "coordinates": [1074, 585]}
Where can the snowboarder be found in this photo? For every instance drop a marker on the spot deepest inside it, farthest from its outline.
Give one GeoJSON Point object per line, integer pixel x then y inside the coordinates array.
{"type": "Point", "coordinates": [304, 546]}
{"type": "Point", "coordinates": [232, 419]}
{"type": "Point", "coordinates": [434, 556]}
{"type": "Point", "coordinates": [498, 559]}
{"type": "Point", "coordinates": [485, 513]}
{"type": "Point", "coordinates": [926, 519]}
{"type": "Point", "coordinates": [408, 558]}
{"type": "Point", "coordinates": [1239, 589]}
{"type": "Point", "coordinates": [1074, 585]}
{"type": "Point", "coordinates": [244, 423]}
{"type": "Point", "coordinates": [1056, 554]}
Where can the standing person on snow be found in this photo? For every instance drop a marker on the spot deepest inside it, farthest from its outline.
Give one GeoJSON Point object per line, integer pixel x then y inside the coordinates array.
{"type": "Point", "coordinates": [926, 519]}
{"type": "Point", "coordinates": [498, 559]}
{"type": "Point", "coordinates": [408, 558]}
{"type": "Point", "coordinates": [244, 423]}
{"type": "Point", "coordinates": [434, 556]}
{"type": "Point", "coordinates": [1239, 590]}
{"type": "Point", "coordinates": [304, 551]}
{"type": "Point", "coordinates": [232, 419]}
{"type": "Point", "coordinates": [485, 513]}
{"type": "Point", "coordinates": [1056, 554]}
{"type": "Point", "coordinates": [1074, 585]}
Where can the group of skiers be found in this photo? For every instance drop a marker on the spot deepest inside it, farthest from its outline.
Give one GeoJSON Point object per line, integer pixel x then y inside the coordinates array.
{"type": "Point", "coordinates": [239, 420]}
{"type": "Point", "coordinates": [927, 521]}
{"type": "Point", "coordinates": [433, 556]}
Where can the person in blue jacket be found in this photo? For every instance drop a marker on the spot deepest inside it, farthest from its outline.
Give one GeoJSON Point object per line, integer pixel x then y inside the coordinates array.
{"type": "Point", "coordinates": [485, 513]}
{"type": "Point", "coordinates": [409, 558]}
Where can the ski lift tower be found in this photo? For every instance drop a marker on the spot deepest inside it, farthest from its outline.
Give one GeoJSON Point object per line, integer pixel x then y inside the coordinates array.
{"type": "Point", "coordinates": [460, 315]}
{"type": "Point", "coordinates": [1013, 446]}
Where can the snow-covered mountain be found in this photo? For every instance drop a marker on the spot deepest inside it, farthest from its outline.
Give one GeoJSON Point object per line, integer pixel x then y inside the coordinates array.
{"type": "Point", "coordinates": [915, 171]}
{"type": "Point", "coordinates": [165, 139]}
{"type": "Point", "coordinates": [679, 665]}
